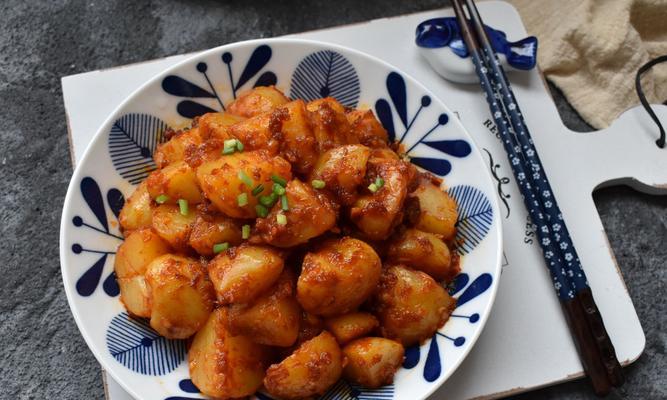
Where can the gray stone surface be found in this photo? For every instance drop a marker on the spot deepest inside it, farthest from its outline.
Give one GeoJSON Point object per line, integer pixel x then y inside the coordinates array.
{"type": "Point", "coordinates": [43, 354]}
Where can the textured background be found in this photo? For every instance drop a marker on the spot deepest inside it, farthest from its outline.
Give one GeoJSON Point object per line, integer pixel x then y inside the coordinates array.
{"type": "Point", "coordinates": [43, 354]}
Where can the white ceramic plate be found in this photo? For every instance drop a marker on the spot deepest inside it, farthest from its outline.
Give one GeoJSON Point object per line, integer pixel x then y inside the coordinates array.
{"type": "Point", "coordinates": [119, 157]}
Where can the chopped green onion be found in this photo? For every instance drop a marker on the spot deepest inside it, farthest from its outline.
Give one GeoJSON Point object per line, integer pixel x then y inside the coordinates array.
{"type": "Point", "coordinates": [262, 211]}
{"type": "Point", "coordinates": [161, 199]}
{"type": "Point", "coordinates": [242, 199]}
{"type": "Point", "coordinates": [257, 190]}
{"type": "Point", "coordinates": [318, 184]}
{"type": "Point", "coordinates": [245, 231]}
{"type": "Point", "coordinates": [373, 187]}
{"type": "Point", "coordinates": [183, 206]}
{"type": "Point", "coordinates": [279, 180]}
{"type": "Point", "coordinates": [229, 146]}
{"type": "Point", "coordinates": [279, 190]}
{"type": "Point", "coordinates": [379, 182]}
{"type": "Point", "coordinates": [283, 203]}
{"type": "Point", "coordinates": [246, 179]}
{"type": "Point", "coordinates": [239, 146]}
{"type": "Point", "coordinates": [217, 248]}
{"type": "Point", "coordinates": [268, 201]}
{"type": "Point", "coordinates": [226, 152]}
{"type": "Point", "coordinates": [281, 219]}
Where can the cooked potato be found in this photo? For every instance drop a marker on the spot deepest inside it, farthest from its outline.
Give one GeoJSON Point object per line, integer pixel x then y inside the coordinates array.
{"type": "Point", "coordinates": [338, 277]}
{"type": "Point", "coordinates": [132, 257]}
{"type": "Point", "coordinates": [181, 295]}
{"type": "Point", "coordinates": [174, 150]}
{"type": "Point", "coordinates": [173, 226]}
{"type": "Point", "coordinates": [376, 214]}
{"type": "Point", "coordinates": [177, 181]}
{"type": "Point", "coordinates": [297, 141]}
{"type": "Point", "coordinates": [222, 180]}
{"type": "Point", "coordinates": [437, 210]}
{"type": "Point", "coordinates": [310, 370]}
{"type": "Point", "coordinates": [273, 318]}
{"type": "Point", "coordinates": [425, 252]}
{"type": "Point", "coordinates": [211, 229]}
{"type": "Point", "coordinates": [342, 169]}
{"type": "Point", "coordinates": [372, 361]}
{"type": "Point", "coordinates": [310, 214]}
{"type": "Point", "coordinates": [257, 133]}
{"type": "Point", "coordinates": [368, 129]}
{"type": "Point", "coordinates": [310, 326]}
{"type": "Point", "coordinates": [225, 366]}
{"type": "Point", "coordinates": [410, 305]}
{"type": "Point", "coordinates": [216, 125]}
{"type": "Point", "coordinates": [330, 125]}
{"type": "Point", "coordinates": [242, 273]}
{"type": "Point", "coordinates": [350, 326]}
{"type": "Point", "coordinates": [257, 101]}
{"type": "Point", "coordinates": [136, 212]}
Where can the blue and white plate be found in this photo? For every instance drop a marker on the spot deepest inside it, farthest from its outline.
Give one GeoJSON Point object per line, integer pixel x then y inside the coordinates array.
{"type": "Point", "coordinates": [119, 157]}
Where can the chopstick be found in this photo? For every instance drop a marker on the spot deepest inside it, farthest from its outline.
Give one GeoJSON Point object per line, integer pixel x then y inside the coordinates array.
{"type": "Point", "coordinates": [593, 343]}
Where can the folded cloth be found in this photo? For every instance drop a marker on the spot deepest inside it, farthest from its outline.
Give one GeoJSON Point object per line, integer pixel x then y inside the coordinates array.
{"type": "Point", "coordinates": [592, 49]}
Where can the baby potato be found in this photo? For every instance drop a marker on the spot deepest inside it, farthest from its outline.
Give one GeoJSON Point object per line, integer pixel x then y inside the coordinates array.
{"type": "Point", "coordinates": [216, 125]}
{"type": "Point", "coordinates": [242, 273]}
{"type": "Point", "coordinates": [224, 366]}
{"type": "Point", "coordinates": [132, 257]}
{"type": "Point", "coordinates": [177, 181]}
{"type": "Point", "coordinates": [257, 133]}
{"type": "Point", "coordinates": [182, 296]}
{"type": "Point", "coordinates": [174, 149]}
{"type": "Point", "coordinates": [291, 126]}
{"type": "Point", "coordinates": [222, 180]}
{"type": "Point", "coordinates": [330, 125]}
{"type": "Point", "coordinates": [367, 128]}
{"type": "Point", "coordinates": [136, 212]}
{"type": "Point", "coordinates": [410, 305]}
{"type": "Point", "coordinates": [309, 371]}
{"type": "Point", "coordinates": [209, 230]}
{"type": "Point", "coordinates": [273, 318]}
{"type": "Point", "coordinates": [310, 214]}
{"type": "Point", "coordinates": [372, 361]}
{"type": "Point", "coordinates": [338, 277]}
{"type": "Point", "coordinates": [376, 214]}
{"type": "Point", "coordinates": [350, 326]}
{"type": "Point", "coordinates": [423, 251]}
{"type": "Point", "coordinates": [342, 169]}
{"type": "Point", "coordinates": [173, 226]}
{"type": "Point", "coordinates": [438, 212]}
{"type": "Point", "coordinates": [257, 101]}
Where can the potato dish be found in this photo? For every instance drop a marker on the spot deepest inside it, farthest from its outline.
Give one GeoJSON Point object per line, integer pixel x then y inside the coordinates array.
{"type": "Point", "coordinates": [292, 243]}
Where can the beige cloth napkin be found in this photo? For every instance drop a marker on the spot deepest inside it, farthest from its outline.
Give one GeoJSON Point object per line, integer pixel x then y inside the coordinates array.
{"type": "Point", "coordinates": [592, 49]}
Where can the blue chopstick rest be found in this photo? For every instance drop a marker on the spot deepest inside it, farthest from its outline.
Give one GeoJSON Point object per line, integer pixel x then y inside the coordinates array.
{"type": "Point", "coordinates": [440, 42]}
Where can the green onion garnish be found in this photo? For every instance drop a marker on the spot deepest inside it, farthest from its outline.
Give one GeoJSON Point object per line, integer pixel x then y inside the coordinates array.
{"type": "Point", "coordinates": [283, 203]}
{"type": "Point", "coordinates": [262, 211]}
{"type": "Point", "coordinates": [239, 146]}
{"type": "Point", "coordinates": [242, 199]}
{"type": "Point", "coordinates": [226, 152]}
{"type": "Point", "coordinates": [245, 231]}
{"type": "Point", "coordinates": [217, 248]}
{"type": "Point", "coordinates": [257, 190]}
{"type": "Point", "coordinates": [183, 206]}
{"type": "Point", "coordinates": [246, 179]}
{"type": "Point", "coordinates": [281, 219]}
{"type": "Point", "coordinates": [268, 201]}
{"type": "Point", "coordinates": [161, 199]}
{"type": "Point", "coordinates": [318, 184]}
{"type": "Point", "coordinates": [379, 182]}
{"type": "Point", "coordinates": [229, 146]}
{"type": "Point", "coordinates": [373, 187]}
{"type": "Point", "coordinates": [279, 180]}
{"type": "Point", "coordinates": [279, 190]}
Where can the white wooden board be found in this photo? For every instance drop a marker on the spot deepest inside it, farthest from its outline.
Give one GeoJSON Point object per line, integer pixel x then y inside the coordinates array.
{"type": "Point", "coordinates": [526, 343]}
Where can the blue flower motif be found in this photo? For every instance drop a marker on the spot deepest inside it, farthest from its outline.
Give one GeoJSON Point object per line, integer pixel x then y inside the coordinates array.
{"type": "Point", "coordinates": [397, 91]}
{"type": "Point", "coordinates": [178, 86]}
{"type": "Point", "coordinates": [92, 195]}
